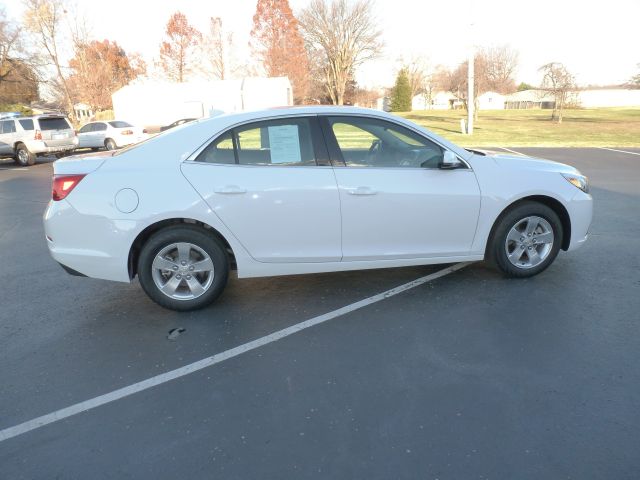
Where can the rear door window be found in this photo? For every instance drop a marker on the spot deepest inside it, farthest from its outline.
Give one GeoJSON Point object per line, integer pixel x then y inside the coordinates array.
{"type": "Point", "coordinates": [54, 123]}
{"type": "Point", "coordinates": [26, 124]}
{"type": "Point", "coordinates": [268, 143]}
{"type": "Point", "coordinates": [99, 127]}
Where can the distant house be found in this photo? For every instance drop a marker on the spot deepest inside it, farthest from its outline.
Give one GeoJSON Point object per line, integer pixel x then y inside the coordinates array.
{"type": "Point", "coordinates": [83, 112]}
{"type": "Point", "coordinates": [446, 100]}
{"type": "Point", "coordinates": [529, 99]}
{"type": "Point", "coordinates": [585, 98]}
{"type": "Point", "coordinates": [148, 102]}
{"type": "Point", "coordinates": [439, 101]}
{"type": "Point", "coordinates": [491, 101]}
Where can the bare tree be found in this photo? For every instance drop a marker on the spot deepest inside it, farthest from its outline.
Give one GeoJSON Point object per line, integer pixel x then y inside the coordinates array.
{"type": "Point", "coordinates": [500, 64]}
{"type": "Point", "coordinates": [43, 18]}
{"type": "Point", "coordinates": [417, 69]}
{"type": "Point", "coordinates": [216, 49]}
{"type": "Point", "coordinates": [557, 80]}
{"type": "Point", "coordinates": [635, 80]}
{"type": "Point", "coordinates": [343, 35]}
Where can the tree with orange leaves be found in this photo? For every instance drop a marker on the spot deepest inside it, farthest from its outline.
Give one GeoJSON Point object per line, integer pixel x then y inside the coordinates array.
{"type": "Point", "coordinates": [177, 51]}
{"type": "Point", "coordinates": [99, 69]}
{"type": "Point", "coordinates": [276, 41]}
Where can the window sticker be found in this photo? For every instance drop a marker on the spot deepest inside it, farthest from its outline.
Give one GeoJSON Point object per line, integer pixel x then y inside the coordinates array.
{"type": "Point", "coordinates": [284, 143]}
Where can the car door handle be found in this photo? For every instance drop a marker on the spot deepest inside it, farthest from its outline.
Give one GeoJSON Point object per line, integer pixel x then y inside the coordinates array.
{"type": "Point", "coordinates": [230, 189]}
{"type": "Point", "coordinates": [361, 191]}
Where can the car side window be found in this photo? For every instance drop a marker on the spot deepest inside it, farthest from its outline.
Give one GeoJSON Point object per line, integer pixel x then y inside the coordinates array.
{"type": "Point", "coordinates": [27, 124]}
{"type": "Point", "coordinates": [8, 126]}
{"type": "Point", "coordinates": [86, 128]}
{"type": "Point", "coordinates": [219, 151]}
{"type": "Point", "coordinates": [285, 142]}
{"type": "Point", "coordinates": [367, 142]}
{"type": "Point", "coordinates": [98, 127]}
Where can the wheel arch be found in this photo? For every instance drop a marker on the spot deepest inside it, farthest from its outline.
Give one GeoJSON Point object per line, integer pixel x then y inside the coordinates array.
{"type": "Point", "coordinates": [144, 235]}
{"type": "Point", "coordinates": [546, 200]}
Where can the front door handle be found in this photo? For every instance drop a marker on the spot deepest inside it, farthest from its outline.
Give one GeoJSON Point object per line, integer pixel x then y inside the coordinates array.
{"type": "Point", "coordinates": [230, 189]}
{"type": "Point", "coordinates": [361, 191]}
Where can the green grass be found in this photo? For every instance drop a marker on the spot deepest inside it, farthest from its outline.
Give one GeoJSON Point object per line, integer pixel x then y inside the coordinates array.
{"type": "Point", "coordinates": [602, 127]}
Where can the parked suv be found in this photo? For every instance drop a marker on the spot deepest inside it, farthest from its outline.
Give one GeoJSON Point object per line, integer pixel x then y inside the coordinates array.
{"type": "Point", "coordinates": [23, 138]}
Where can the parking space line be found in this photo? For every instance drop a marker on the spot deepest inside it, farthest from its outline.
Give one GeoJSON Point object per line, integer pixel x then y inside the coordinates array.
{"type": "Point", "coordinates": [512, 151]}
{"type": "Point", "coordinates": [621, 151]}
{"type": "Point", "coordinates": [215, 359]}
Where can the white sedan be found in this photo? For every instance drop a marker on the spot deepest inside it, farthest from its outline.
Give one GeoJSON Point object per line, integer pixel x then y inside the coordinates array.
{"type": "Point", "coordinates": [304, 190]}
{"type": "Point", "coordinates": [110, 134]}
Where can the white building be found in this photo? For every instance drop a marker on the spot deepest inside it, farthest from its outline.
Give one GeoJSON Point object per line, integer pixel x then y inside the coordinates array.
{"type": "Point", "coordinates": [609, 97]}
{"type": "Point", "coordinates": [148, 102]}
{"type": "Point", "coordinates": [491, 101]}
{"type": "Point", "coordinates": [83, 112]}
{"type": "Point", "coordinates": [439, 101]}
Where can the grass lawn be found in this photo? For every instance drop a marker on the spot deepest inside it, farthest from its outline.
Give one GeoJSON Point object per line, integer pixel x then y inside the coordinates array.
{"type": "Point", "coordinates": [601, 127]}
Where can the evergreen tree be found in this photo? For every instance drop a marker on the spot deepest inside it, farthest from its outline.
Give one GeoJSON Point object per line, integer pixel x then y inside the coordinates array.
{"type": "Point", "coordinates": [401, 93]}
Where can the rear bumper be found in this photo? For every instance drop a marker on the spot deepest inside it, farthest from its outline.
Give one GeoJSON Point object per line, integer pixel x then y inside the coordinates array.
{"type": "Point", "coordinates": [88, 245]}
{"type": "Point", "coordinates": [39, 146]}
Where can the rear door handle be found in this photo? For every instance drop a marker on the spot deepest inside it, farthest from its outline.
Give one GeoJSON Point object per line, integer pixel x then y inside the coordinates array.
{"type": "Point", "coordinates": [230, 189]}
{"type": "Point", "coordinates": [361, 191]}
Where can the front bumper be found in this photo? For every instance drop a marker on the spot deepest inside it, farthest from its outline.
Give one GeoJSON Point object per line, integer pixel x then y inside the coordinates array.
{"type": "Point", "coordinates": [581, 214]}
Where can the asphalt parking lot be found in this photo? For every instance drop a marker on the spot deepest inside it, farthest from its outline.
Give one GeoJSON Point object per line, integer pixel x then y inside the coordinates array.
{"type": "Point", "coordinates": [470, 375]}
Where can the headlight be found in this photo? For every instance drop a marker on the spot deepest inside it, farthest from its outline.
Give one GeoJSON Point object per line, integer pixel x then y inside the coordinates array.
{"type": "Point", "coordinates": [579, 181]}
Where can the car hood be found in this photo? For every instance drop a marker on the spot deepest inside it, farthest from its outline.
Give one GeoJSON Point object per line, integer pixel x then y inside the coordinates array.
{"type": "Point", "coordinates": [523, 162]}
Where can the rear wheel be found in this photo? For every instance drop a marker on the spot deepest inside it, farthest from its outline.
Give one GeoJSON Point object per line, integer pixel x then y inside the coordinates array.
{"type": "Point", "coordinates": [183, 268]}
{"type": "Point", "coordinates": [526, 240]}
{"type": "Point", "coordinates": [110, 144]}
{"type": "Point", "coordinates": [23, 156]}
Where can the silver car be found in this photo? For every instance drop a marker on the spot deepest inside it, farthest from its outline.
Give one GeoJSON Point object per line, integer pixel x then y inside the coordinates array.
{"type": "Point", "coordinates": [23, 138]}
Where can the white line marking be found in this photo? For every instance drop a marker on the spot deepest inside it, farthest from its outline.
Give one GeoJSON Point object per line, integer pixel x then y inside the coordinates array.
{"type": "Point", "coordinates": [621, 151]}
{"type": "Point", "coordinates": [95, 402]}
{"type": "Point", "coordinates": [512, 151]}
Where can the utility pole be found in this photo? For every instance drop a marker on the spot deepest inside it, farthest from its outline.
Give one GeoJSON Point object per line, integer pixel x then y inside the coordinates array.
{"type": "Point", "coordinates": [470, 80]}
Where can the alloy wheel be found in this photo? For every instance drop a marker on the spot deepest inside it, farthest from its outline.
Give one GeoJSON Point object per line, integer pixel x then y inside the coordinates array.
{"type": "Point", "coordinates": [182, 271]}
{"type": "Point", "coordinates": [529, 242]}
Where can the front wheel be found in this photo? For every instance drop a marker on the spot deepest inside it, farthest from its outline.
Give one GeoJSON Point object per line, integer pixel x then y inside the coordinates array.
{"type": "Point", "coordinates": [183, 268]}
{"type": "Point", "coordinates": [526, 240]}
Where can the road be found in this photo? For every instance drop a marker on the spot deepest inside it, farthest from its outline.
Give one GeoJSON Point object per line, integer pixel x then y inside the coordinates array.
{"type": "Point", "coordinates": [467, 376]}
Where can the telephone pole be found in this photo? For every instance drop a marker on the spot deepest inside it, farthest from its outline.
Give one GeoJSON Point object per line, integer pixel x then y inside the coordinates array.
{"type": "Point", "coordinates": [470, 80]}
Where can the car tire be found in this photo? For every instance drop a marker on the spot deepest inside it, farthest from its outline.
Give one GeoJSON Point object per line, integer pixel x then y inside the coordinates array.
{"type": "Point", "coordinates": [183, 267]}
{"type": "Point", "coordinates": [526, 240]}
{"type": "Point", "coordinates": [110, 144]}
{"type": "Point", "coordinates": [23, 156]}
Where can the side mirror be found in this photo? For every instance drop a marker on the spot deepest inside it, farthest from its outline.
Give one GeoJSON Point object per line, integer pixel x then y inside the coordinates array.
{"type": "Point", "coordinates": [449, 161]}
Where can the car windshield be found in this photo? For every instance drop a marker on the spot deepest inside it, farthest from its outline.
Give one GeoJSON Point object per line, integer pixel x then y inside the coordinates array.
{"type": "Point", "coordinates": [120, 124]}
{"type": "Point", "coordinates": [53, 123]}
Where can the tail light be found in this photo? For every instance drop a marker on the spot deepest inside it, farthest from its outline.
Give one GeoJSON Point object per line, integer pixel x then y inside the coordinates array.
{"type": "Point", "coordinates": [38, 135]}
{"type": "Point", "coordinates": [63, 184]}
{"type": "Point", "coordinates": [127, 132]}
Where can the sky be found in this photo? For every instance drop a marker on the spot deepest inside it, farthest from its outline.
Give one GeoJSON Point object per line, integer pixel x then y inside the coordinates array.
{"type": "Point", "coordinates": [597, 41]}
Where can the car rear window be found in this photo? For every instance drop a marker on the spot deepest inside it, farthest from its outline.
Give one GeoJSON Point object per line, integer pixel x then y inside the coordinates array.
{"type": "Point", "coordinates": [26, 124]}
{"type": "Point", "coordinates": [56, 123]}
{"type": "Point", "coordinates": [119, 124]}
